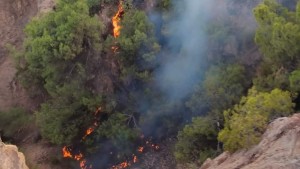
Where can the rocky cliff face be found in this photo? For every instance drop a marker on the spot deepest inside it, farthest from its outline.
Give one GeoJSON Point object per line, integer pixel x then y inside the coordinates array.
{"type": "Point", "coordinates": [11, 158]}
{"type": "Point", "coordinates": [278, 149]}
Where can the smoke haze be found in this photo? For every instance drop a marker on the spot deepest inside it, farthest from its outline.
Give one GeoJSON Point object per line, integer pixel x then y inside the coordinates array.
{"type": "Point", "coordinates": [186, 44]}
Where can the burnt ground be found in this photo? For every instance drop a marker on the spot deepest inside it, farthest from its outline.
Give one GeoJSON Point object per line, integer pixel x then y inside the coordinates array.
{"type": "Point", "coordinates": [158, 159]}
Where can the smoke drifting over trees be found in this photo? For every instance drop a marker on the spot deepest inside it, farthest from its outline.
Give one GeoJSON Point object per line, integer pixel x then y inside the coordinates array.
{"type": "Point", "coordinates": [185, 47]}
{"type": "Point", "coordinates": [175, 70]}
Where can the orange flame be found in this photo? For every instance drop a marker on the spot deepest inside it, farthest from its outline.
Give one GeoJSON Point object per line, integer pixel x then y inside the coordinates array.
{"type": "Point", "coordinates": [66, 152]}
{"type": "Point", "coordinates": [95, 124]}
{"type": "Point", "coordinates": [82, 163]}
{"type": "Point", "coordinates": [97, 111]}
{"type": "Point", "coordinates": [124, 164]}
{"type": "Point", "coordinates": [140, 149]}
{"type": "Point", "coordinates": [116, 20]}
{"type": "Point", "coordinates": [79, 157]}
{"type": "Point", "coordinates": [88, 131]}
{"type": "Point", "coordinates": [134, 159]}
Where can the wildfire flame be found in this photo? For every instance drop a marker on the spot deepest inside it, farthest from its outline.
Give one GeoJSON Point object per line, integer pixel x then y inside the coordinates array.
{"type": "Point", "coordinates": [116, 20]}
{"type": "Point", "coordinates": [88, 132]}
{"type": "Point", "coordinates": [82, 165]}
{"type": "Point", "coordinates": [67, 150]}
{"type": "Point", "coordinates": [125, 164]}
{"type": "Point", "coordinates": [98, 111]}
{"type": "Point", "coordinates": [140, 149]}
{"type": "Point", "coordinates": [134, 159]}
{"type": "Point", "coordinates": [78, 157]}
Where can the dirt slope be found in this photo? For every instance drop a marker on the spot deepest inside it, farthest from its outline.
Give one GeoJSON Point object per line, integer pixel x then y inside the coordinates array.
{"type": "Point", "coordinates": [14, 14]}
{"type": "Point", "coordinates": [279, 149]}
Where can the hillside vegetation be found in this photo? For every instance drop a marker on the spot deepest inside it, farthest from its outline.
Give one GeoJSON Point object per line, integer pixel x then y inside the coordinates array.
{"type": "Point", "coordinates": [212, 79]}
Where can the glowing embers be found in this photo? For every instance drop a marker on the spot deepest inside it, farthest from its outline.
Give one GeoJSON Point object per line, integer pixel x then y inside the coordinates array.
{"type": "Point", "coordinates": [126, 164]}
{"type": "Point", "coordinates": [89, 130]}
{"type": "Point", "coordinates": [117, 19]}
{"type": "Point", "coordinates": [140, 150]}
{"type": "Point", "coordinates": [68, 152]}
{"type": "Point", "coordinates": [75, 154]}
{"type": "Point", "coordinates": [114, 48]}
{"type": "Point", "coordinates": [78, 157]}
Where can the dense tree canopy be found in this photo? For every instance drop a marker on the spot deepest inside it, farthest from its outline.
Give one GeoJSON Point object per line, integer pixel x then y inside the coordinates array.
{"type": "Point", "coordinates": [278, 38]}
{"type": "Point", "coordinates": [197, 140]}
{"type": "Point", "coordinates": [60, 49]}
{"type": "Point", "coordinates": [13, 121]}
{"type": "Point", "coordinates": [65, 58]}
{"type": "Point", "coordinates": [245, 123]}
{"type": "Point", "coordinates": [71, 62]}
{"type": "Point", "coordinates": [138, 47]}
{"type": "Point", "coordinates": [222, 87]}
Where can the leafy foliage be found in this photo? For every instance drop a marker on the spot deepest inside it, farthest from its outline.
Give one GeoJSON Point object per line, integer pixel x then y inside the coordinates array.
{"type": "Point", "coordinates": [120, 136]}
{"type": "Point", "coordinates": [245, 123]}
{"type": "Point", "coordinates": [222, 87]}
{"type": "Point", "coordinates": [196, 141]}
{"type": "Point", "coordinates": [294, 80]}
{"type": "Point", "coordinates": [57, 46]}
{"type": "Point", "coordinates": [13, 120]}
{"type": "Point", "coordinates": [60, 50]}
{"type": "Point", "coordinates": [278, 38]}
{"type": "Point", "coordinates": [67, 51]}
{"type": "Point", "coordinates": [138, 47]}
{"type": "Point", "coordinates": [279, 43]}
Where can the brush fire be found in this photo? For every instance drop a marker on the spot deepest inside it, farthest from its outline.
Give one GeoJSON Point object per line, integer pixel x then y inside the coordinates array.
{"type": "Point", "coordinates": [117, 19]}
{"type": "Point", "coordinates": [148, 144]}
{"type": "Point", "coordinates": [78, 157]}
{"type": "Point", "coordinates": [68, 152]}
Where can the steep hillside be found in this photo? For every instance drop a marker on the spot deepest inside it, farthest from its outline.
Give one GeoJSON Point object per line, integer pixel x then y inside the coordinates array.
{"type": "Point", "coordinates": [14, 14]}
{"type": "Point", "coordinates": [150, 84]}
{"type": "Point", "coordinates": [279, 148]}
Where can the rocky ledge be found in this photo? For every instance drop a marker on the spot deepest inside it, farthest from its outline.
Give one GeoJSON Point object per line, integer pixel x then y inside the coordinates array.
{"type": "Point", "coordinates": [11, 158]}
{"type": "Point", "coordinates": [279, 148]}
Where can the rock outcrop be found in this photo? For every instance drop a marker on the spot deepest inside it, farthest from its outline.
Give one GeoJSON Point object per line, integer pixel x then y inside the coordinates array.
{"type": "Point", "coordinates": [11, 158]}
{"type": "Point", "coordinates": [278, 149]}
